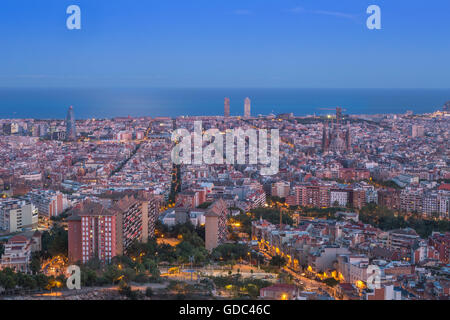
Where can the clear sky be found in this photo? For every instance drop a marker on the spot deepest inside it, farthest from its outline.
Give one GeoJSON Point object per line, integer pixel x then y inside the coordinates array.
{"type": "Point", "coordinates": [232, 43]}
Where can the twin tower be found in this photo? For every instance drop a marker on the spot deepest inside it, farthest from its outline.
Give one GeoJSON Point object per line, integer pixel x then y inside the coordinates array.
{"type": "Point", "coordinates": [247, 106]}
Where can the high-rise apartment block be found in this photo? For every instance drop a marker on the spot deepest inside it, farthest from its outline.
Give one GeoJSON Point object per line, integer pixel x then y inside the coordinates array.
{"type": "Point", "coordinates": [216, 219]}
{"type": "Point", "coordinates": [71, 129]}
{"type": "Point", "coordinates": [49, 203]}
{"type": "Point", "coordinates": [226, 109]}
{"type": "Point", "coordinates": [17, 214]}
{"type": "Point", "coordinates": [310, 196]}
{"type": "Point", "coordinates": [108, 228]}
{"type": "Point", "coordinates": [92, 233]}
{"type": "Point", "coordinates": [247, 108]}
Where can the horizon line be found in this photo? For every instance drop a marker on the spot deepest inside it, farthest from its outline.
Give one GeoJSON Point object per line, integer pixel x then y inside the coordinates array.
{"type": "Point", "coordinates": [222, 87]}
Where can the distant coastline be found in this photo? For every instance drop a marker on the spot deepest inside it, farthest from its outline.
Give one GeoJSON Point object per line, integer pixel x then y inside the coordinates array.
{"type": "Point", "coordinates": [51, 103]}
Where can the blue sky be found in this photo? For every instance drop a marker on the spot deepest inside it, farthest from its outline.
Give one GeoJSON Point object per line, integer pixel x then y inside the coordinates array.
{"type": "Point", "coordinates": [233, 43]}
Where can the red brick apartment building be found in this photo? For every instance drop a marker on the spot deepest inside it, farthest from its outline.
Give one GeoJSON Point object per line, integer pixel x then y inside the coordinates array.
{"type": "Point", "coordinates": [441, 242]}
{"type": "Point", "coordinates": [98, 230]}
{"type": "Point", "coordinates": [310, 196]}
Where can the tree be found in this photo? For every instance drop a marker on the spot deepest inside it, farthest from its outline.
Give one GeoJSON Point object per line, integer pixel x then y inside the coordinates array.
{"type": "Point", "coordinates": [200, 230]}
{"type": "Point", "coordinates": [149, 292]}
{"type": "Point", "coordinates": [124, 288]}
{"type": "Point", "coordinates": [278, 261]}
{"type": "Point", "coordinates": [7, 279]}
{"type": "Point", "coordinates": [112, 273]}
{"type": "Point", "coordinates": [35, 264]}
{"type": "Point", "coordinates": [186, 249]}
{"type": "Point", "coordinates": [41, 281]}
{"type": "Point", "coordinates": [386, 220]}
{"type": "Point", "coordinates": [230, 252]}
{"type": "Point", "coordinates": [166, 253]}
{"type": "Point", "coordinates": [331, 282]}
{"type": "Point", "coordinates": [204, 205]}
{"type": "Point", "coordinates": [29, 282]}
{"type": "Point", "coordinates": [88, 277]}
{"type": "Point", "coordinates": [152, 267]}
{"type": "Point", "coordinates": [273, 216]}
{"type": "Point", "coordinates": [139, 249]}
{"type": "Point", "coordinates": [141, 278]}
{"type": "Point", "coordinates": [233, 236]}
{"type": "Point", "coordinates": [161, 228]}
{"type": "Point", "coordinates": [253, 291]}
{"type": "Point", "coordinates": [55, 241]}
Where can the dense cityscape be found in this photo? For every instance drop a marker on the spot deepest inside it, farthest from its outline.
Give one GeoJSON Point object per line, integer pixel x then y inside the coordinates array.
{"type": "Point", "coordinates": [358, 210]}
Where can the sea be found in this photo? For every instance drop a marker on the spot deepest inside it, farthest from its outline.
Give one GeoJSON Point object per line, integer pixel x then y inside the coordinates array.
{"type": "Point", "coordinates": [52, 103]}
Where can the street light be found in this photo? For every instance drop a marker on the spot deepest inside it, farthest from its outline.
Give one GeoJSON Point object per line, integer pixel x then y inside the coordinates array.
{"type": "Point", "coordinates": [191, 260]}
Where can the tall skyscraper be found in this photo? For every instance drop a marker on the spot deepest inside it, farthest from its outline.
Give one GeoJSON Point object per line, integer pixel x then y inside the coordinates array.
{"type": "Point", "coordinates": [247, 108]}
{"type": "Point", "coordinates": [226, 109]}
{"type": "Point", "coordinates": [71, 129]}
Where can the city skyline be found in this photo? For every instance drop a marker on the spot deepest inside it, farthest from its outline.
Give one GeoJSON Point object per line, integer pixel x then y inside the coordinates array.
{"type": "Point", "coordinates": [115, 102]}
{"type": "Point", "coordinates": [354, 197]}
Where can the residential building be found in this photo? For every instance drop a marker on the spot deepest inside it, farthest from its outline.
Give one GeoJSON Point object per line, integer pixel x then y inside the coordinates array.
{"type": "Point", "coordinates": [17, 255]}
{"type": "Point", "coordinates": [216, 219]}
{"type": "Point", "coordinates": [280, 189]}
{"type": "Point", "coordinates": [17, 214]}
{"type": "Point", "coordinates": [280, 291]}
{"type": "Point", "coordinates": [226, 108]}
{"type": "Point", "coordinates": [339, 198]}
{"type": "Point", "coordinates": [441, 242]}
{"type": "Point", "coordinates": [49, 203]}
{"type": "Point", "coordinates": [107, 229]}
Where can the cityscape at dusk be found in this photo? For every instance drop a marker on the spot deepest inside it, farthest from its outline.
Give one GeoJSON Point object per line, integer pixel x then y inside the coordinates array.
{"type": "Point", "coordinates": [217, 159]}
